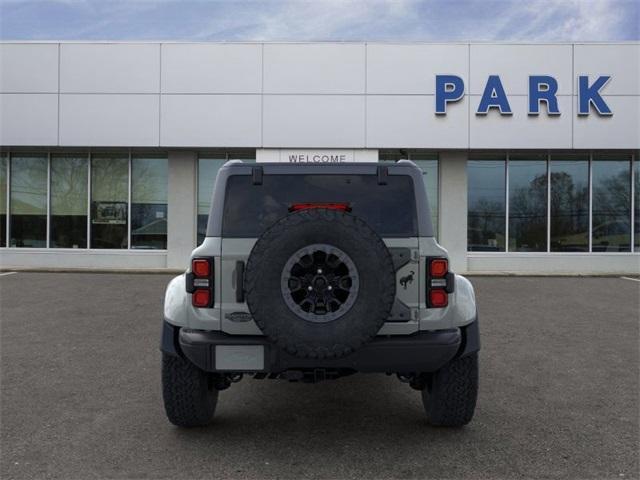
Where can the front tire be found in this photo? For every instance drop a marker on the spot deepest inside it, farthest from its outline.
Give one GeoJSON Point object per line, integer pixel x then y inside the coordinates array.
{"type": "Point", "coordinates": [190, 398]}
{"type": "Point", "coordinates": [450, 395]}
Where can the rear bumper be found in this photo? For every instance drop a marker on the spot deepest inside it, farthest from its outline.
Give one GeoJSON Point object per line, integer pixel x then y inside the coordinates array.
{"type": "Point", "coordinates": [420, 352]}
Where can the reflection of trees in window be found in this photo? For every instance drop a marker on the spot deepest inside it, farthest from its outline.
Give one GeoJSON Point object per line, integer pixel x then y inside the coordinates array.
{"type": "Point", "coordinates": [149, 186]}
{"type": "Point", "coordinates": [611, 206]}
{"type": "Point", "coordinates": [109, 194]}
{"type": "Point", "coordinates": [527, 206]}
{"type": "Point", "coordinates": [486, 205]}
{"type": "Point", "coordinates": [569, 206]}
{"type": "Point", "coordinates": [28, 201]}
{"type": "Point", "coordinates": [68, 202]}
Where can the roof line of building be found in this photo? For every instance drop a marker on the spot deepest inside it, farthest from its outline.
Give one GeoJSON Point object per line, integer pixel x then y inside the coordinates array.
{"type": "Point", "coordinates": [320, 42]}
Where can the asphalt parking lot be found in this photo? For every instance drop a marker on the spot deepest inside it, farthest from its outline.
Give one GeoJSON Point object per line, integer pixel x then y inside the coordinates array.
{"type": "Point", "coordinates": [81, 393]}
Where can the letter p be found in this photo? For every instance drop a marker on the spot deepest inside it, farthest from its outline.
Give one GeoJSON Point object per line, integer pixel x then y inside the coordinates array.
{"type": "Point", "coordinates": [449, 88]}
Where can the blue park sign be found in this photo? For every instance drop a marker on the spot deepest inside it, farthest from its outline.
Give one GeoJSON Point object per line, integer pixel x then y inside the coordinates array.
{"type": "Point", "coordinates": [542, 89]}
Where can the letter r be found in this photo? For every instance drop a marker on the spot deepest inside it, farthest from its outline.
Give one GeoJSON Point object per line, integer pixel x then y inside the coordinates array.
{"type": "Point", "coordinates": [536, 95]}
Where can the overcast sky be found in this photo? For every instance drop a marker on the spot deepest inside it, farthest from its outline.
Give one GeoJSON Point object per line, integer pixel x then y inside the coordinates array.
{"type": "Point", "coordinates": [293, 20]}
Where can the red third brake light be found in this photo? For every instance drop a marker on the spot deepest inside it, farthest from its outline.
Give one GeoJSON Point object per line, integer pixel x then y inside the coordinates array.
{"type": "Point", "coordinates": [200, 267]}
{"type": "Point", "coordinates": [296, 207]}
{"type": "Point", "coordinates": [439, 267]}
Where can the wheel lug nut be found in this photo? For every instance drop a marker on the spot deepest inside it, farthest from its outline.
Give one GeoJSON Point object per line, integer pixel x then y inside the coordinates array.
{"type": "Point", "coordinates": [319, 271]}
{"type": "Point", "coordinates": [309, 288]}
{"type": "Point", "coordinates": [329, 287]}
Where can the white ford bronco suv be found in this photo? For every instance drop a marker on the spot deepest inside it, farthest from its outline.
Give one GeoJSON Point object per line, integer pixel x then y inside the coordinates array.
{"type": "Point", "coordinates": [315, 272]}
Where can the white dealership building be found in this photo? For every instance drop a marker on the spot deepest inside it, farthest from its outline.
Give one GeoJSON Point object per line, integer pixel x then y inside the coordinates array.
{"type": "Point", "coordinates": [530, 151]}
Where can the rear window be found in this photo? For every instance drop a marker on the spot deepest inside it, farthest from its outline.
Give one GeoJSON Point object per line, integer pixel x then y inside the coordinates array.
{"type": "Point", "coordinates": [389, 209]}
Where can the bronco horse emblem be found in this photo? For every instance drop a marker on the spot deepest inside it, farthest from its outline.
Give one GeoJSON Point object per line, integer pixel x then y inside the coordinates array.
{"type": "Point", "coordinates": [404, 281]}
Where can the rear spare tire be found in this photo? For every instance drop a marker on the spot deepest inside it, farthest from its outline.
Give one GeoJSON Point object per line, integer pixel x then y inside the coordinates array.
{"type": "Point", "coordinates": [320, 283]}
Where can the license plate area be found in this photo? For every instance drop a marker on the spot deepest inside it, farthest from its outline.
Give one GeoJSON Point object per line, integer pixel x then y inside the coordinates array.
{"type": "Point", "coordinates": [239, 358]}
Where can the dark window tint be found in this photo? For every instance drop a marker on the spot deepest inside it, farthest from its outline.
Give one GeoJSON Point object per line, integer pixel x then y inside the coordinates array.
{"type": "Point", "coordinates": [636, 202]}
{"type": "Point", "coordinates": [527, 205]}
{"type": "Point", "coordinates": [3, 199]}
{"type": "Point", "coordinates": [611, 230]}
{"type": "Point", "coordinates": [486, 197]}
{"type": "Point", "coordinates": [569, 203]}
{"type": "Point", "coordinates": [389, 209]}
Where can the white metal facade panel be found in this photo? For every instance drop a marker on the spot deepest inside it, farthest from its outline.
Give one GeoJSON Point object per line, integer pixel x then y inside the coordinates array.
{"type": "Point", "coordinates": [109, 68]}
{"type": "Point", "coordinates": [28, 119]}
{"type": "Point", "coordinates": [407, 121]}
{"type": "Point", "coordinates": [309, 95]}
{"type": "Point", "coordinates": [28, 68]}
{"type": "Point", "coordinates": [314, 68]}
{"type": "Point", "coordinates": [411, 69]}
{"type": "Point", "coordinates": [109, 120]}
{"type": "Point", "coordinates": [622, 128]}
{"type": "Point", "coordinates": [521, 130]}
{"type": "Point", "coordinates": [622, 62]}
{"type": "Point", "coordinates": [514, 64]}
{"type": "Point", "coordinates": [217, 68]}
{"type": "Point", "coordinates": [210, 120]}
{"type": "Point", "coordinates": [308, 121]}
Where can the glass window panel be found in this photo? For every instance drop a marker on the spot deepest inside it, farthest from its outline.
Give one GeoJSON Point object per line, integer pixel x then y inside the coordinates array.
{"type": "Point", "coordinates": [207, 173]}
{"type": "Point", "coordinates": [527, 203]}
{"type": "Point", "coordinates": [149, 186]}
{"type": "Point", "coordinates": [636, 202]}
{"type": "Point", "coordinates": [430, 179]}
{"type": "Point", "coordinates": [3, 199]}
{"type": "Point", "coordinates": [569, 203]}
{"type": "Point", "coordinates": [68, 201]}
{"type": "Point", "coordinates": [486, 205]}
{"type": "Point", "coordinates": [611, 229]}
{"type": "Point", "coordinates": [28, 201]}
{"type": "Point", "coordinates": [249, 211]}
{"type": "Point", "coordinates": [109, 197]}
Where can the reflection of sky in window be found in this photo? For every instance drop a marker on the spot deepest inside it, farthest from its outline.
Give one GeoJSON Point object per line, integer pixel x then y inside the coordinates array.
{"type": "Point", "coordinates": [69, 185]}
{"type": "Point", "coordinates": [109, 179]}
{"type": "Point", "coordinates": [29, 185]}
{"type": "Point", "coordinates": [577, 170]}
{"type": "Point", "coordinates": [523, 172]}
{"type": "Point", "coordinates": [149, 180]}
{"type": "Point", "coordinates": [487, 182]}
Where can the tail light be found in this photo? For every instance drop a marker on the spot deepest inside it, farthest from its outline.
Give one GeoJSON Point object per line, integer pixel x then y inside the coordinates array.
{"type": "Point", "coordinates": [199, 282]}
{"type": "Point", "coordinates": [440, 282]}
